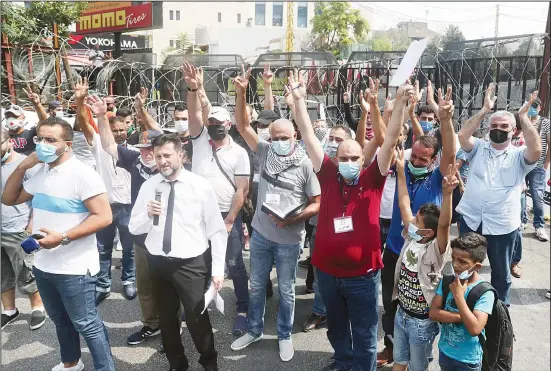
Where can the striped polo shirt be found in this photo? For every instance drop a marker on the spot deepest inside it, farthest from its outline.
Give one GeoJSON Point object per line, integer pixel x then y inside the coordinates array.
{"type": "Point", "coordinates": [58, 204]}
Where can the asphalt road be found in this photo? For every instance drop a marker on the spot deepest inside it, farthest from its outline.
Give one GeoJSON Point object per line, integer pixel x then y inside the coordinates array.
{"type": "Point", "coordinates": [25, 350]}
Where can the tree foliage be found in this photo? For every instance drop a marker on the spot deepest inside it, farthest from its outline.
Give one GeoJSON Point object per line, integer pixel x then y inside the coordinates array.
{"type": "Point", "coordinates": [334, 23]}
{"type": "Point", "coordinates": [451, 40]}
{"type": "Point", "coordinates": [24, 25]}
{"type": "Point", "coordinates": [380, 44]}
{"type": "Point", "coordinates": [184, 45]}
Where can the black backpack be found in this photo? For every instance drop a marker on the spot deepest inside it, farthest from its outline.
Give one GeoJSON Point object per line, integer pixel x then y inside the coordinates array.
{"type": "Point", "coordinates": [498, 344]}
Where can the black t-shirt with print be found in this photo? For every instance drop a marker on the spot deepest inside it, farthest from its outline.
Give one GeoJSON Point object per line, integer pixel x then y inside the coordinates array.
{"type": "Point", "coordinates": [23, 142]}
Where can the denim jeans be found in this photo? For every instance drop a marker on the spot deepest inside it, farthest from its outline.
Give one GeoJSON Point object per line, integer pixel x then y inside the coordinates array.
{"type": "Point", "coordinates": [523, 214]}
{"type": "Point", "coordinates": [390, 260]}
{"type": "Point", "coordinates": [352, 317]}
{"type": "Point", "coordinates": [449, 364]}
{"type": "Point", "coordinates": [500, 255]}
{"type": "Point", "coordinates": [535, 180]}
{"type": "Point", "coordinates": [106, 238]}
{"type": "Point", "coordinates": [318, 307]}
{"type": "Point", "coordinates": [263, 253]}
{"type": "Point", "coordinates": [413, 339]}
{"type": "Point", "coordinates": [236, 266]}
{"type": "Point", "coordinates": [70, 301]}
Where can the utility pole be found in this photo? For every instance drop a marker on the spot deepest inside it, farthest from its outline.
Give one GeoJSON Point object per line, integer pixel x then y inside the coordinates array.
{"type": "Point", "coordinates": [496, 33]}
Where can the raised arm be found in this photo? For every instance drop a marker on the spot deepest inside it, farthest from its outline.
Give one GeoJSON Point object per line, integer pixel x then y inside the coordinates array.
{"type": "Point", "coordinates": [449, 183]}
{"type": "Point", "coordinates": [445, 112]}
{"type": "Point", "coordinates": [416, 126]}
{"type": "Point", "coordinates": [313, 146]}
{"type": "Point", "coordinates": [395, 125]}
{"type": "Point", "coordinates": [389, 107]}
{"type": "Point", "coordinates": [81, 91]}
{"type": "Point", "coordinates": [35, 99]}
{"type": "Point", "coordinates": [193, 102]}
{"type": "Point", "coordinates": [465, 135]}
{"type": "Point", "coordinates": [403, 194]}
{"type": "Point", "coordinates": [241, 116]}
{"type": "Point", "coordinates": [99, 108]}
{"type": "Point", "coordinates": [203, 98]}
{"type": "Point", "coordinates": [13, 193]}
{"type": "Point", "coordinates": [141, 110]}
{"type": "Point", "coordinates": [377, 123]}
{"type": "Point", "coordinates": [362, 123]}
{"type": "Point", "coordinates": [352, 123]}
{"type": "Point", "coordinates": [531, 136]}
{"type": "Point", "coordinates": [267, 79]}
{"type": "Point", "coordinates": [430, 98]}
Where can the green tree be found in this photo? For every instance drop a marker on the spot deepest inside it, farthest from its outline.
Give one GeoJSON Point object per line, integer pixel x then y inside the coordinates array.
{"type": "Point", "coordinates": [334, 23]}
{"type": "Point", "coordinates": [24, 25]}
{"type": "Point", "coordinates": [453, 38]}
{"type": "Point", "coordinates": [381, 44]}
{"type": "Point", "coordinates": [184, 45]}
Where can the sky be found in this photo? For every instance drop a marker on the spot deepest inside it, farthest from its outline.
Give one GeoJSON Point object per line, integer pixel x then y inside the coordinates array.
{"type": "Point", "coordinates": [476, 19]}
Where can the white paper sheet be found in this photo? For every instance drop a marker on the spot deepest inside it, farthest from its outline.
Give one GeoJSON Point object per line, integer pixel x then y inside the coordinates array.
{"type": "Point", "coordinates": [211, 295]}
{"type": "Point", "coordinates": [410, 60]}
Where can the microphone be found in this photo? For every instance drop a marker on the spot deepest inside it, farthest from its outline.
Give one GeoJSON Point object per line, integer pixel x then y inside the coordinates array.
{"type": "Point", "coordinates": [158, 194]}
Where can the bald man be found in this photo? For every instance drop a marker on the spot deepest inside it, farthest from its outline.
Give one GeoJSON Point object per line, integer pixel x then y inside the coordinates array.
{"type": "Point", "coordinates": [287, 182]}
{"type": "Point", "coordinates": [347, 251]}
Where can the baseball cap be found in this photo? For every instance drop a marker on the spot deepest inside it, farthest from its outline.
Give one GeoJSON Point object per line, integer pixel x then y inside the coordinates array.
{"type": "Point", "coordinates": [15, 110]}
{"type": "Point", "coordinates": [266, 117]}
{"type": "Point", "coordinates": [146, 137]}
{"type": "Point", "coordinates": [220, 114]}
{"type": "Point", "coordinates": [54, 104]}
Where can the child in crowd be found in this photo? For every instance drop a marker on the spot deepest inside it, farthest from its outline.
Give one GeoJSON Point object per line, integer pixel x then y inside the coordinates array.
{"type": "Point", "coordinates": [460, 348]}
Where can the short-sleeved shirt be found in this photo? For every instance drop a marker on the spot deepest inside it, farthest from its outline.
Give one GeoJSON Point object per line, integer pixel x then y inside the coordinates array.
{"type": "Point", "coordinates": [130, 161]}
{"type": "Point", "coordinates": [455, 341]}
{"type": "Point", "coordinates": [82, 150]}
{"type": "Point", "coordinates": [23, 142]}
{"type": "Point", "coordinates": [492, 195]}
{"type": "Point", "coordinates": [305, 184]}
{"type": "Point", "coordinates": [421, 191]}
{"type": "Point", "coordinates": [234, 160]}
{"type": "Point", "coordinates": [410, 294]}
{"type": "Point", "coordinates": [58, 204]}
{"type": "Point", "coordinates": [463, 170]}
{"type": "Point", "coordinates": [544, 129]}
{"type": "Point", "coordinates": [357, 252]}
{"type": "Point", "coordinates": [15, 218]}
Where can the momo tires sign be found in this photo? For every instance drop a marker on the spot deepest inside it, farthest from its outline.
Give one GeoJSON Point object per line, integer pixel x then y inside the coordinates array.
{"type": "Point", "coordinates": [128, 18]}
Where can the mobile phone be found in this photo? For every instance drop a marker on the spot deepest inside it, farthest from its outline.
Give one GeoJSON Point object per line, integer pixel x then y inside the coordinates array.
{"type": "Point", "coordinates": [37, 236]}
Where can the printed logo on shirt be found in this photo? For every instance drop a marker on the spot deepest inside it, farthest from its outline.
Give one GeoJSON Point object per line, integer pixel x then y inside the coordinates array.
{"type": "Point", "coordinates": [19, 142]}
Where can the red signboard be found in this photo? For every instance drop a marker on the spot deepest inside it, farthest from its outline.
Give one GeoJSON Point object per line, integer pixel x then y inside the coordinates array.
{"type": "Point", "coordinates": [120, 19]}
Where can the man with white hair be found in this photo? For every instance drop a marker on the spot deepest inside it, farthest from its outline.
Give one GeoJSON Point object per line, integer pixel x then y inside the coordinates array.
{"type": "Point", "coordinates": [491, 203]}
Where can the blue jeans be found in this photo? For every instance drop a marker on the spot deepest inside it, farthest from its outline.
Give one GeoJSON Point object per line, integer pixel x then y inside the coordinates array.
{"type": "Point", "coordinates": [106, 238]}
{"type": "Point", "coordinates": [523, 214]}
{"type": "Point", "coordinates": [500, 255]}
{"type": "Point", "coordinates": [449, 364]}
{"type": "Point", "coordinates": [236, 266]}
{"type": "Point", "coordinates": [263, 253]}
{"type": "Point", "coordinates": [413, 339]}
{"type": "Point", "coordinates": [318, 307]}
{"type": "Point", "coordinates": [535, 180]}
{"type": "Point", "coordinates": [70, 301]}
{"type": "Point", "coordinates": [352, 317]}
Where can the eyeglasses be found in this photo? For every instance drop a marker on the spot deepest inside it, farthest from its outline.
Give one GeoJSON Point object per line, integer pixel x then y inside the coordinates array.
{"type": "Point", "coordinates": [38, 139]}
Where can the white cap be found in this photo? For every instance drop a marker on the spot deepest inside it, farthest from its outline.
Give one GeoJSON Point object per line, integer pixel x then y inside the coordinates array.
{"type": "Point", "coordinates": [16, 110]}
{"type": "Point", "coordinates": [220, 114]}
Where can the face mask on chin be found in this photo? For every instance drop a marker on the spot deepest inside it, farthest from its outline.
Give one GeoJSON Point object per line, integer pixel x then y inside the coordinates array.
{"type": "Point", "coordinates": [417, 171]}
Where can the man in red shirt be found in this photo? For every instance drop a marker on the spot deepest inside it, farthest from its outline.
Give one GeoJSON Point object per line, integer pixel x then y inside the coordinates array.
{"type": "Point", "coordinates": [348, 247]}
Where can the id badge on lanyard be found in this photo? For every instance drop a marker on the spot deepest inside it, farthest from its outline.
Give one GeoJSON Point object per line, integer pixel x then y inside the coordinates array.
{"type": "Point", "coordinates": [344, 223]}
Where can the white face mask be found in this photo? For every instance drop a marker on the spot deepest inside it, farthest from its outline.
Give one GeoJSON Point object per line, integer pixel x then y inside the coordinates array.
{"type": "Point", "coordinates": [264, 133]}
{"type": "Point", "coordinates": [331, 149]}
{"type": "Point", "coordinates": [59, 114]}
{"type": "Point", "coordinates": [181, 126]}
{"type": "Point", "coordinates": [14, 123]}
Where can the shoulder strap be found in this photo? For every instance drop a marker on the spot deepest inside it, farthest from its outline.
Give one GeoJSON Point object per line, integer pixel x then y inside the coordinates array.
{"type": "Point", "coordinates": [221, 169]}
{"type": "Point", "coordinates": [476, 293]}
{"type": "Point", "coordinates": [278, 183]}
{"type": "Point", "coordinates": [447, 280]}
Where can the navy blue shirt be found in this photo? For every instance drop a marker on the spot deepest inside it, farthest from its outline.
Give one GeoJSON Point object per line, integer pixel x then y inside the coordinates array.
{"type": "Point", "coordinates": [421, 191]}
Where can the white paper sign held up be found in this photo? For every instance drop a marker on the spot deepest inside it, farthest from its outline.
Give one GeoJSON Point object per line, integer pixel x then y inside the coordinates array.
{"type": "Point", "coordinates": [410, 60]}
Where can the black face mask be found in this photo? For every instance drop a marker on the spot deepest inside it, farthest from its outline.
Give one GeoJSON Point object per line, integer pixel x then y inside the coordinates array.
{"type": "Point", "coordinates": [216, 132]}
{"type": "Point", "coordinates": [499, 136]}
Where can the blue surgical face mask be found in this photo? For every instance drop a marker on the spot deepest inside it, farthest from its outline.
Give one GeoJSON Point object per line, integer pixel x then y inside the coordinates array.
{"type": "Point", "coordinates": [46, 153]}
{"type": "Point", "coordinates": [417, 171]}
{"type": "Point", "coordinates": [330, 149]}
{"type": "Point", "coordinates": [427, 126]}
{"type": "Point", "coordinates": [349, 170]}
{"type": "Point", "coordinates": [6, 155]}
{"type": "Point", "coordinates": [282, 147]}
{"type": "Point", "coordinates": [532, 112]}
{"type": "Point", "coordinates": [412, 232]}
{"type": "Point", "coordinates": [466, 275]}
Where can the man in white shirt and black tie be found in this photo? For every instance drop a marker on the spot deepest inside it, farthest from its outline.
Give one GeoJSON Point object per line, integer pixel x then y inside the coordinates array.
{"type": "Point", "coordinates": [178, 253]}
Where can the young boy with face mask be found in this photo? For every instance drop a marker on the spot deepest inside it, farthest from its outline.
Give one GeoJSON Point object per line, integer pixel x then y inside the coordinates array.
{"type": "Point", "coordinates": [418, 270]}
{"type": "Point", "coordinates": [459, 346]}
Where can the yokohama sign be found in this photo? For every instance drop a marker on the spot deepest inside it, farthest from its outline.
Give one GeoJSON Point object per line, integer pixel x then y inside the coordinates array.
{"type": "Point", "coordinates": [121, 19]}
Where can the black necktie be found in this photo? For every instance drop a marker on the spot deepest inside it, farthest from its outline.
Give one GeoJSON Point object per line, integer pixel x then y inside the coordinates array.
{"type": "Point", "coordinates": [167, 237]}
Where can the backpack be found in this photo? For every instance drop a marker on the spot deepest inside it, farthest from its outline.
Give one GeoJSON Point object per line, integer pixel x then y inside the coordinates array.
{"type": "Point", "coordinates": [498, 345]}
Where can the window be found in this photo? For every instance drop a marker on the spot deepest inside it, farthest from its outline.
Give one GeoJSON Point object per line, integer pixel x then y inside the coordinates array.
{"type": "Point", "coordinates": [260, 14]}
{"type": "Point", "coordinates": [302, 14]}
{"type": "Point", "coordinates": [238, 17]}
{"type": "Point", "coordinates": [277, 11]}
{"type": "Point", "coordinates": [219, 17]}
{"type": "Point", "coordinates": [172, 43]}
{"type": "Point", "coordinates": [177, 15]}
{"type": "Point", "coordinates": [171, 15]}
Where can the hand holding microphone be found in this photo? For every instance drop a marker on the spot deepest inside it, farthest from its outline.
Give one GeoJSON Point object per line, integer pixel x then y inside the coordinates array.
{"type": "Point", "coordinates": [154, 208]}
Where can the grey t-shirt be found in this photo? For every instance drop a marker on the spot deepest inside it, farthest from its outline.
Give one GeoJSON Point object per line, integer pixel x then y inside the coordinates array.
{"type": "Point", "coordinates": [306, 185]}
{"type": "Point", "coordinates": [15, 218]}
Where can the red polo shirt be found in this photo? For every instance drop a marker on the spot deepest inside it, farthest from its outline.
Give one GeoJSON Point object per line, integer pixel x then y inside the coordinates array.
{"type": "Point", "coordinates": [358, 252]}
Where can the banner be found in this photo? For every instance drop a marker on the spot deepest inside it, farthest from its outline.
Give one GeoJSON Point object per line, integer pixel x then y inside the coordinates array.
{"type": "Point", "coordinates": [105, 42]}
{"type": "Point", "coordinates": [101, 6]}
{"type": "Point", "coordinates": [119, 19]}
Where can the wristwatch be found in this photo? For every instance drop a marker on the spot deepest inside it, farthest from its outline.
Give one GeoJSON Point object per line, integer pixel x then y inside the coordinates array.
{"type": "Point", "coordinates": [65, 240]}
{"type": "Point", "coordinates": [192, 90]}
